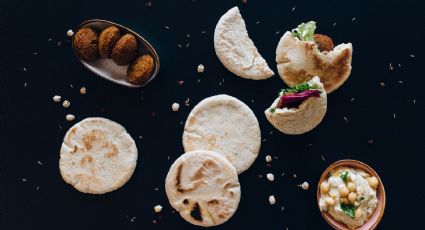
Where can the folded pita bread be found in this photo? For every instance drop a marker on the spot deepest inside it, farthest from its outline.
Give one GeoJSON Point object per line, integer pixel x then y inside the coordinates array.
{"type": "Point", "coordinates": [236, 50]}
{"type": "Point", "coordinates": [298, 61]}
{"type": "Point", "coordinates": [225, 125]}
{"type": "Point", "coordinates": [97, 156]}
{"type": "Point", "coordinates": [203, 187]}
{"type": "Point", "coordinates": [302, 119]}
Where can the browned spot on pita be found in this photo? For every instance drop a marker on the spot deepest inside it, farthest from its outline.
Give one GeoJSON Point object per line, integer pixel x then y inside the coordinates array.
{"type": "Point", "coordinates": [185, 201]}
{"type": "Point", "coordinates": [178, 178]}
{"type": "Point", "coordinates": [213, 202]}
{"type": "Point", "coordinates": [74, 150]}
{"type": "Point", "coordinates": [113, 152]}
{"type": "Point", "coordinates": [94, 137]}
{"type": "Point", "coordinates": [86, 160]}
{"type": "Point", "coordinates": [195, 212]}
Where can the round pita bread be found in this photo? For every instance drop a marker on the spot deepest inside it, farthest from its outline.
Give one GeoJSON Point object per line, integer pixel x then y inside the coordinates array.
{"type": "Point", "coordinates": [203, 187]}
{"type": "Point", "coordinates": [300, 120]}
{"type": "Point", "coordinates": [236, 50]}
{"type": "Point", "coordinates": [224, 125]}
{"type": "Point", "coordinates": [97, 156]}
{"type": "Point", "coordinates": [298, 61]}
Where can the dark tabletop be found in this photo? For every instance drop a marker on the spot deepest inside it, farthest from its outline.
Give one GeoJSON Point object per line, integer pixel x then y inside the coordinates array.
{"type": "Point", "coordinates": [375, 117]}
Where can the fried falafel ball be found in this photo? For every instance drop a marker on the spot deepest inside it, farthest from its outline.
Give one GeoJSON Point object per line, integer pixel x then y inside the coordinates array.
{"type": "Point", "coordinates": [324, 42]}
{"type": "Point", "coordinates": [86, 44]}
{"type": "Point", "coordinates": [125, 51]}
{"type": "Point", "coordinates": [141, 69]}
{"type": "Point", "coordinates": [107, 40]}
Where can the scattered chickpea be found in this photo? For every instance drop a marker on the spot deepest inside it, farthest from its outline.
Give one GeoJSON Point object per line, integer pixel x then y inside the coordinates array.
{"type": "Point", "coordinates": [352, 197]}
{"type": "Point", "coordinates": [358, 213]}
{"type": "Point", "coordinates": [324, 187]}
{"type": "Point", "coordinates": [66, 104]}
{"type": "Point", "coordinates": [270, 176]}
{"type": "Point", "coordinates": [175, 107]}
{"type": "Point", "coordinates": [272, 200]}
{"type": "Point", "coordinates": [344, 200]}
{"type": "Point", "coordinates": [305, 185]}
{"type": "Point", "coordinates": [373, 182]}
{"type": "Point", "coordinates": [351, 187]}
{"type": "Point", "coordinates": [157, 208]}
{"type": "Point", "coordinates": [201, 68]}
{"type": "Point", "coordinates": [57, 98]}
{"type": "Point", "coordinates": [83, 90]}
{"type": "Point", "coordinates": [69, 33]}
{"type": "Point", "coordinates": [70, 117]}
{"type": "Point", "coordinates": [344, 192]}
{"type": "Point", "coordinates": [329, 201]}
{"type": "Point", "coordinates": [268, 159]}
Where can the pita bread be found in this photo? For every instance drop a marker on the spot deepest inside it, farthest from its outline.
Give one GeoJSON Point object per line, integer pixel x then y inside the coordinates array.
{"type": "Point", "coordinates": [298, 61]}
{"type": "Point", "coordinates": [203, 187]}
{"type": "Point", "coordinates": [97, 156]}
{"type": "Point", "coordinates": [300, 120]}
{"type": "Point", "coordinates": [224, 125]}
{"type": "Point", "coordinates": [236, 50]}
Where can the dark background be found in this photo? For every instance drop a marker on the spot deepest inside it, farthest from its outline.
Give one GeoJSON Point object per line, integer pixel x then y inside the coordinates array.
{"type": "Point", "coordinates": [383, 127]}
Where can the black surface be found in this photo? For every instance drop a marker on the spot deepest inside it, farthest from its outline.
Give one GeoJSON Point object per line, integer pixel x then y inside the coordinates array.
{"type": "Point", "coordinates": [32, 125]}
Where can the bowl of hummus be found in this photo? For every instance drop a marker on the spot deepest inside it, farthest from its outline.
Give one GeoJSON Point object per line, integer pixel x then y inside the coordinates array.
{"type": "Point", "coordinates": [350, 195]}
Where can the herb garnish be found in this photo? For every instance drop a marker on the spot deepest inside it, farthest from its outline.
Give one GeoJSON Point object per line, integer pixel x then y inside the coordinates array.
{"type": "Point", "coordinates": [272, 110]}
{"type": "Point", "coordinates": [344, 176]}
{"type": "Point", "coordinates": [348, 209]}
{"type": "Point", "coordinates": [296, 89]}
{"type": "Point", "coordinates": [305, 31]}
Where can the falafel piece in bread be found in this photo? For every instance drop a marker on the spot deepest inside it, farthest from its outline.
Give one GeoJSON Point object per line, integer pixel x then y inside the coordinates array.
{"type": "Point", "coordinates": [125, 51]}
{"type": "Point", "coordinates": [324, 42]}
{"type": "Point", "coordinates": [86, 44]}
{"type": "Point", "coordinates": [141, 69]}
{"type": "Point", "coordinates": [107, 40]}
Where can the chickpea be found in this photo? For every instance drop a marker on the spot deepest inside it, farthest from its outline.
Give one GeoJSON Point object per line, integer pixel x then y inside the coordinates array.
{"type": "Point", "coordinates": [324, 187]}
{"type": "Point", "coordinates": [351, 187]}
{"type": "Point", "coordinates": [344, 191]}
{"type": "Point", "coordinates": [358, 213]}
{"type": "Point", "coordinates": [344, 200]}
{"type": "Point", "coordinates": [352, 197]}
{"type": "Point", "coordinates": [373, 182]}
{"type": "Point", "coordinates": [329, 201]}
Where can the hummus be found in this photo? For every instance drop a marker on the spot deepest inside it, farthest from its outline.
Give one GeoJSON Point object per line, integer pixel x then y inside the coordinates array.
{"type": "Point", "coordinates": [349, 196]}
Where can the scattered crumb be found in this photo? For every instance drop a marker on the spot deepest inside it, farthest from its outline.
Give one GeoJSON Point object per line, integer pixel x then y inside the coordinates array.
{"type": "Point", "coordinates": [304, 185]}
{"type": "Point", "coordinates": [57, 98]}
{"type": "Point", "coordinates": [295, 175]}
{"type": "Point", "coordinates": [70, 117]}
{"type": "Point", "coordinates": [25, 69]}
{"type": "Point", "coordinates": [244, 1]}
{"type": "Point", "coordinates": [323, 158]}
{"type": "Point", "coordinates": [180, 46]}
{"type": "Point", "coordinates": [133, 219]}
{"type": "Point", "coordinates": [201, 68]}
{"type": "Point", "coordinates": [390, 67]}
{"type": "Point", "coordinates": [268, 159]}
{"type": "Point", "coordinates": [148, 4]}
{"type": "Point", "coordinates": [71, 85]}
{"type": "Point", "coordinates": [257, 22]}
{"type": "Point", "coordinates": [39, 162]}
{"type": "Point", "coordinates": [382, 84]}
{"type": "Point", "coordinates": [187, 45]}
{"type": "Point", "coordinates": [277, 32]}
{"type": "Point", "coordinates": [157, 208]}
{"type": "Point", "coordinates": [66, 104]}
{"type": "Point", "coordinates": [199, 80]}
{"type": "Point", "coordinates": [293, 8]}
{"type": "Point", "coordinates": [83, 90]}
{"type": "Point", "coordinates": [272, 200]}
{"type": "Point", "coordinates": [140, 137]}
{"type": "Point", "coordinates": [59, 44]}
{"type": "Point", "coordinates": [175, 107]}
{"type": "Point", "coordinates": [188, 35]}
{"type": "Point", "coordinates": [69, 33]}
{"type": "Point", "coordinates": [156, 189]}
{"type": "Point", "coordinates": [270, 176]}
{"type": "Point", "coordinates": [353, 19]}
{"type": "Point", "coordinates": [334, 24]}
{"type": "Point", "coordinates": [401, 82]}
{"type": "Point", "coordinates": [394, 115]}
{"type": "Point", "coordinates": [352, 99]}
{"type": "Point", "coordinates": [203, 32]}
{"type": "Point", "coordinates": [167, 27]}
{"type": "Point", "coordinates": [186, 103]}
{"type": "Point", "coordinates": [412, 56]}
{"type": "Point", "coordinates": [282, 174]}
{"type": "Point", "coordinates": [414, 101]}
{"type": "Point", "coordinates": [24, 180]}
{"type": "Point", "coordinates": [346, 120]}
{"type": "Point", "coordinates": [180, 82]}
{"type": "Point", "coordinates": [370, 141]}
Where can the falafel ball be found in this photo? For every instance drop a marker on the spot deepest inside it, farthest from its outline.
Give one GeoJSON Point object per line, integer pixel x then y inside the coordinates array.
{"type": "Point", "coordinates": [86, 44]}
{"type": "Point", "coordinates": [141, 69]}
{"type": "Point", "coordinates": [125, 51]}
{"type": "Point", "coordinates": [324, 42]}
{"type": "Point", "coordinates": [107, 40]}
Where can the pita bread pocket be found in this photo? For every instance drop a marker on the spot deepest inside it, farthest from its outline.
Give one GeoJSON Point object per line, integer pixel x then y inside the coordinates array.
{"type": "Point", "coordinates": [299, 109]}
{"type": "Point", "coordinates": [227, 126]}
{"type": "Point", "coordinates": [236, 50]}
{"type": "Point", "coordinates": [203, 187]}
{"type": "Point", "coordinates": [301, 54]}
{"type": "Point", "coordinates": [97, 156]}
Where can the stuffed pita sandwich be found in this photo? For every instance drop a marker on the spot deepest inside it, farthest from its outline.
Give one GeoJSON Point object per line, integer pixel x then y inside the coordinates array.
{"type": "Point", "coordinates": [299, 109]}
{"type": "Point", "coordinates": [302, 54]}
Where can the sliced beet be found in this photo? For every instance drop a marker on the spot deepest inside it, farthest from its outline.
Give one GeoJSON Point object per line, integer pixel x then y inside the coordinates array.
{"type": "Point", "coordinates": [293, 100]}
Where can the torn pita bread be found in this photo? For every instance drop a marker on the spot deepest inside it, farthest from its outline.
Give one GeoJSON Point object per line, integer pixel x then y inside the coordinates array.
{"type": "Point", "coordinates": [97, 156]}
{"type": "Point", "coordinates": [236, 50]}
{"type": "Point", "coordinates": [225, 125]}
{"type": "Point", "coordinates": [203, 187]}
{"type": "Point", "coordinates": [298, 61]}
{"type": "Point", "coordinates": [299, 120]}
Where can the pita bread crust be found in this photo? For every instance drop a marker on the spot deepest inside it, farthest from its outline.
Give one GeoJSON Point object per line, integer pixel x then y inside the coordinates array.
{"type": "Point", "coordinates": [298, 61]}
{"type": "Point", "coordinates": [225, 125]}
{"type": "Point", "coordinates": [206, 182]}
{"type": "Point", "coordinates": [236, 50]}
{"type": "Point", "coordinates": [302, 119]}
{"type": "Point", "coordinates": [97, 156]}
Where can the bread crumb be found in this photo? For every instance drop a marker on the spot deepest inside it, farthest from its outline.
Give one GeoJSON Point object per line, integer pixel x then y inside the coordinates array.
{"type": "Point", "coordinates": [57, 98]}
{"type": "Point", "coordinates": [270, 176]}
{"type": "Point", "coordinates": [69, 33]}
{"type": "Point", "coordinates": [70, 117]}
{"type": "Point", "coordinates": [175, 107]}
{"type": "Point", "coordinates": [158, 208]}
{"type": "Point", "coordinates": [272, 200]}
{"type": "Point", "coordinates": [268, 159]}
{"type": "Point", "coordinates": [66, 104]}
{"type": "Point", "coordinates": [201, 68]}
{"type": "Point", "coordinates": [305, 185]}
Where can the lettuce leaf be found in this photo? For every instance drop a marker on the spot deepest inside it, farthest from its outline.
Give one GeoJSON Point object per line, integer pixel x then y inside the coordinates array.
{"type": "Point", "coordinates": [305, 31]}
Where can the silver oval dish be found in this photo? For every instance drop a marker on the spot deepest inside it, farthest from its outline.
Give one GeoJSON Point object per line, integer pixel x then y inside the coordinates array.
{"type": "Point", "coordinates": [106, 68]}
